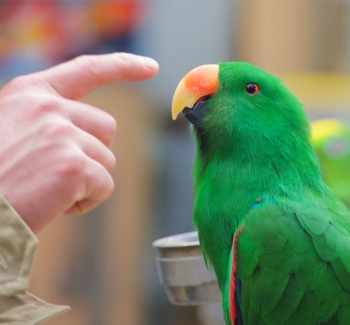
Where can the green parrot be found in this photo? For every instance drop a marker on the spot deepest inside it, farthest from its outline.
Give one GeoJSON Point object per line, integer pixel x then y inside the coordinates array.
{"type": "Point", "coordinates": [331, 141]}
{"type": "Point", "coordinates": [276, 235]}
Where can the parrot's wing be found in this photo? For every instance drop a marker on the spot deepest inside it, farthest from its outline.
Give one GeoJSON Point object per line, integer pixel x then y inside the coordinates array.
{"type": "Point", "coordinates": [290, 269]}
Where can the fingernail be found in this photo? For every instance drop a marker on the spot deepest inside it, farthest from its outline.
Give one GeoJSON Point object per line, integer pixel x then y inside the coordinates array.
{"type": "Point", "coordinates": [150, 63]}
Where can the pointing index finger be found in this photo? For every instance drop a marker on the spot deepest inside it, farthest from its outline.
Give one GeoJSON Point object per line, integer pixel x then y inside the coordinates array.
{"type": "Point", "coordinates": [78, 77]}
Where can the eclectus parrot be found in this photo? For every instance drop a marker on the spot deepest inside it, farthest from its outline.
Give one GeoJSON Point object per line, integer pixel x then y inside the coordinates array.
{"type": "Point", "coordinates": [275, 234]}
{"type": "Point", "coordinates": [331, 141]}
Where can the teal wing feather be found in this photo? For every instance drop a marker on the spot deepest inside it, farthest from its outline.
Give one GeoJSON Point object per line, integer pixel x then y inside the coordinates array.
{"type": "Point", "coordinates": [294, 267]}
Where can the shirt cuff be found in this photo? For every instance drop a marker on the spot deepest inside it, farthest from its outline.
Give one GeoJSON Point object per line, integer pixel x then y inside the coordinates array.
{"type": "Point", "coordinates": [17, 248]}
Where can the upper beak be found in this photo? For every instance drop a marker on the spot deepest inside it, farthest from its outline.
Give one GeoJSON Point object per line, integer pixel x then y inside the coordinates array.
{"type": "Point", "coordinates": [199, 82]}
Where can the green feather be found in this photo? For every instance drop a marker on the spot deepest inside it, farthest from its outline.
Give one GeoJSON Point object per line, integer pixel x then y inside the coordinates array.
{"type": "Point", "coordinates": [293, 256]}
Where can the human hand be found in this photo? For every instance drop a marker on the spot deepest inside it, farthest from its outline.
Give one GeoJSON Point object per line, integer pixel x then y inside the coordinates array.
{"type": "Point", "coordinates": [55, 155]}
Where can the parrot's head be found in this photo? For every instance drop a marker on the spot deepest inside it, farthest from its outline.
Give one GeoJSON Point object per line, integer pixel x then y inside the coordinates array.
{"type": "Point", "coordinates": [235, 105]}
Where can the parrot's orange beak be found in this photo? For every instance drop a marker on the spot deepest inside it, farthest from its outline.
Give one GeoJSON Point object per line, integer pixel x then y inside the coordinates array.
{"type": "Point", "coordinates": [198, 83]}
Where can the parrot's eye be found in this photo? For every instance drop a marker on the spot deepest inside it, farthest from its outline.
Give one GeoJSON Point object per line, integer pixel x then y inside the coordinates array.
{"type": "Point", "coordinates": [252, 89]}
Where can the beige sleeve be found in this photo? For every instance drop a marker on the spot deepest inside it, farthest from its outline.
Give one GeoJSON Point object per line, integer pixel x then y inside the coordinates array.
{"type": "Point", "coordinates": [17, 247]}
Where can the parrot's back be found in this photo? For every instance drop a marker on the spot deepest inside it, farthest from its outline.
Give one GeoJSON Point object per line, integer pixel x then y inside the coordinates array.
{"type": "Point", "coordinates": [291, 264]}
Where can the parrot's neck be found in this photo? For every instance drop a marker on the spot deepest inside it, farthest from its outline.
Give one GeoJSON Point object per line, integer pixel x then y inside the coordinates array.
{"type": "Point", "coordinates": [228, 180]}
{"type": "Point", "coordinates": [247, 172]}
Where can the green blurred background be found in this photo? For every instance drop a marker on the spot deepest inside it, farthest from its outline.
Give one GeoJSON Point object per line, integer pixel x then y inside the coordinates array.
{"type": "Point", "coordinates": [102, 264]}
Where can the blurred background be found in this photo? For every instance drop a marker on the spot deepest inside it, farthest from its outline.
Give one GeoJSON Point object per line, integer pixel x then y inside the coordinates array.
{"type": "Point", "coordinates": [102, 264]}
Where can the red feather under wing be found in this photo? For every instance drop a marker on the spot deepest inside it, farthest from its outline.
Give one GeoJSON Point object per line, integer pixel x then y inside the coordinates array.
{"type": "Point", "coordinates": [233, 277]}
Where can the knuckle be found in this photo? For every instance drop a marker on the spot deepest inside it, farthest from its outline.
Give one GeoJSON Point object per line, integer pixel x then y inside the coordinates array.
{"type": "Point", "coordinates": [110, 129]}
{"type": "Point", "coordinates": [45, 103]}
{"type": "Point", "coordinates": [106, 187]}
{"type": "Point", "coordinates": [124, 58]}
{"type": "Point", "coordinates": [124, 61]}
{"type": "Point", "coordinates": [54, 129]}
{"type": "Point", "coordinates": [83, 59]}
{"type": "Point", "coordinates": [110, 187]}
{"type": "Point", "coordinates": [111, 163]}
{"type": "Point", "coordinates": [86, 64]}
{"type": "Point", "coordinates": [72, 165]}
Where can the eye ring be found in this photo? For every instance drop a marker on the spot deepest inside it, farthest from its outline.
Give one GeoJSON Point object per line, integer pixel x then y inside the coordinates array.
{"type": "Point", "coordinates": [252, 89]}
